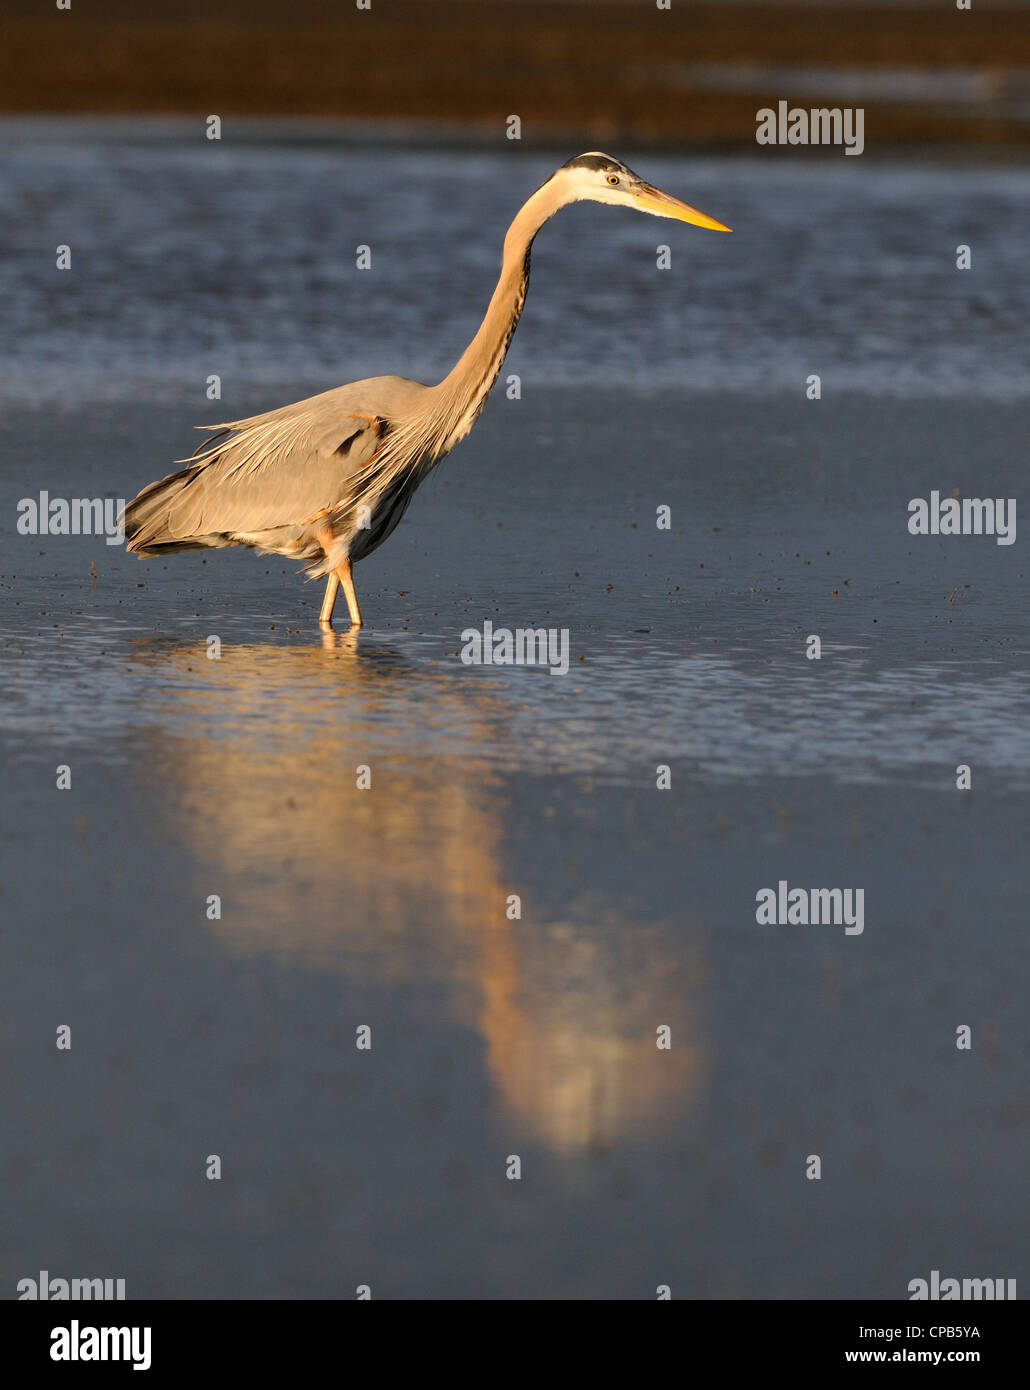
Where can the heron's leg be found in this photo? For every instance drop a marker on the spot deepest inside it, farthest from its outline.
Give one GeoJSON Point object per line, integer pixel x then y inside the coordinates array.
{"type": "Point", "coordinates": [325, 618]}
{"type": "Point", "coordinates": [344, 575]}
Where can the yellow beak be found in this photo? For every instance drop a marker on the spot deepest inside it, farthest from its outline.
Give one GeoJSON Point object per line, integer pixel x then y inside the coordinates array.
{"type": "Point", "coordinates": [662, 205]}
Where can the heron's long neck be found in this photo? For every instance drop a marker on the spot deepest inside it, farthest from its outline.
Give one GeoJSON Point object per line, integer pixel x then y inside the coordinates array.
{"type": "Point", "coordinates": [466, 387]}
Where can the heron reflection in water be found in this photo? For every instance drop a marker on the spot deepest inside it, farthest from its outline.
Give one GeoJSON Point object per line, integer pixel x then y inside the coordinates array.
{"type": "Point", "coordinates": [327, 479]}
{"type": "Point", "coordinates": [407, 885]}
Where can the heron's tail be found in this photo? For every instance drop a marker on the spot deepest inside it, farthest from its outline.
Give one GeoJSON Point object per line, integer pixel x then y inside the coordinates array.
{"type": "Point", "coordinates": [145, 519]}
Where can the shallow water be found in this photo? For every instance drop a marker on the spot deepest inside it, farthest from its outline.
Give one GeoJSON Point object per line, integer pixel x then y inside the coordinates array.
{"type": "Point", "coordinates": [387, 907]}
{"type": "Point", "coordinates": [192, 257]}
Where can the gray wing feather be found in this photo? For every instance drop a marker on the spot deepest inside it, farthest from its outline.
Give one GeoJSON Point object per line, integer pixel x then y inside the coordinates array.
{"type": "Point", "coordinates": [279, 469]}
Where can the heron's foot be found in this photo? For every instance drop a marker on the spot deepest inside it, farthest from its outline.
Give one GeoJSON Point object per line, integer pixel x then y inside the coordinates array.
{"type": "Point", "coordinates": [326, 624]}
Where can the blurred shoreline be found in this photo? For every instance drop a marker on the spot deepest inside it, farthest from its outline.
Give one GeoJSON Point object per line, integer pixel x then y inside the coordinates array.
{"type": "Point", "coordinates": [67, 130]}
{"type": "Point", "coordinates": [690, 76]}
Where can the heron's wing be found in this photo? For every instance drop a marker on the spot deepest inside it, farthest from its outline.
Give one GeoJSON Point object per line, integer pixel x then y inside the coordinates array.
{"type": "Point", "coordinates": [284, 468]}
{"type": "Point", "coordinates": [284, 474]}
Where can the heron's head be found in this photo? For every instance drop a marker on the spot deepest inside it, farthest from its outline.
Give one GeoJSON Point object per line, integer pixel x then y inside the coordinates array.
{"type": "Point", "coordinates": [599, 178]}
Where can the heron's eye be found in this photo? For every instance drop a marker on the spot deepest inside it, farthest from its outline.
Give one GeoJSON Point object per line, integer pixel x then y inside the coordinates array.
{"type": "Point", "coordinates": [613, 179]}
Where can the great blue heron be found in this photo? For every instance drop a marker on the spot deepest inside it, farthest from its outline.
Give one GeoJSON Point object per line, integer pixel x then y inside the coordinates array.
{"type": "Point", "coordinates": [327, 479]}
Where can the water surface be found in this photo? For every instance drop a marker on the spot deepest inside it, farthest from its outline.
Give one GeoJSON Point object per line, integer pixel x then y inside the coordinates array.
{"type": "Point", "coordinates": [534, 1036]}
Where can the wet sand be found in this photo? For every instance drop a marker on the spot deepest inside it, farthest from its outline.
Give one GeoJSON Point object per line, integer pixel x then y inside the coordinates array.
{"type": "Point", "coordinates": [235, 1036]}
